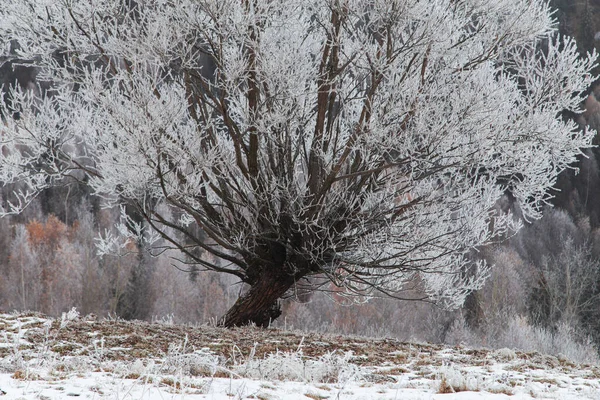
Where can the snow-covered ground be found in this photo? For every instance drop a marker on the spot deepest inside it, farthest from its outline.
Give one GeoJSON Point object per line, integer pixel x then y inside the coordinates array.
{"type": "Point", "coordinates": [42, 358]}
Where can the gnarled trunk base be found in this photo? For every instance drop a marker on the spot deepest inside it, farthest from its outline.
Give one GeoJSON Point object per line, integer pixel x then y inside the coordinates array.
{"type": "Point", "coordinates": [259, 305]}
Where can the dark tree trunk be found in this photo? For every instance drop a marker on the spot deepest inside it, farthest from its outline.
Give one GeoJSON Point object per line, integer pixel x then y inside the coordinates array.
{"type": "Point", "coordinates": [260, 304]}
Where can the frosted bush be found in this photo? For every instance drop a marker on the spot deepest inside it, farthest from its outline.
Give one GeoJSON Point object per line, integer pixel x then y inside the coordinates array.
{"type": "Point", "coordinates": [453, 380]}
{"type": "Point", "coordinates": [69, 316]}
{"type": "Point", "coordinates": [199, 362]}
{"type": "Point", "coordinates": [520, 335]}
{"type": "Point", "coordinates": [328, 368]}
{"type": "Point", "coordinates": [505, 354]}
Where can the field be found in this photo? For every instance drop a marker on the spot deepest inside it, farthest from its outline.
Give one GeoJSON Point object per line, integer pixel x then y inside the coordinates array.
{"type": "Point", "coordinates": [86, 357]}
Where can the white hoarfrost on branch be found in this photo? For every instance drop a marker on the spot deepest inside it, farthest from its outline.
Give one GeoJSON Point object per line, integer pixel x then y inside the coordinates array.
{"type": "Point", "coordinates": [362, 143]}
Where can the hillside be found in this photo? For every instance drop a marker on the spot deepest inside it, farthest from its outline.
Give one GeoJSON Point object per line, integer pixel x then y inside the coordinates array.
{"type": "Point", "coordinates": [44, 358]}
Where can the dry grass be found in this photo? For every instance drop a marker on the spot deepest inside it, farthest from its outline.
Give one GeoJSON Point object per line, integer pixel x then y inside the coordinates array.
{"type": "Point", "coordinates": [131, 340]}
{"type": "Point", "coordinates": [315, 396]}
{"type": "Point", "coordinates": [183, 355]}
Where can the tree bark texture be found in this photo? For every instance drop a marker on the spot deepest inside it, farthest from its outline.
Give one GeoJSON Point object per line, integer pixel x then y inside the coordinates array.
{"type": "Point", "coordinates": [259, 305]}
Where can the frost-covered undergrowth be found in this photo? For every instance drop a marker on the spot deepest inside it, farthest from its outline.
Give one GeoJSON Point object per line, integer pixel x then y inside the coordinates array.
{"type": "Point", "coordinates": [44, 358]}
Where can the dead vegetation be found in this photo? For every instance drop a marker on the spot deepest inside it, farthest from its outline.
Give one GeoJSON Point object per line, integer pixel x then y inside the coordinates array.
{"type": "Point", "coordinates": [142, 351]}
{"type": "Point", "coordinates": [116, 339]}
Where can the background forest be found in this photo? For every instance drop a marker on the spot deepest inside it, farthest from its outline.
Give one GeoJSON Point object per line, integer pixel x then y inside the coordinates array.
{"type": "Point", "coordinates": [543, 294]}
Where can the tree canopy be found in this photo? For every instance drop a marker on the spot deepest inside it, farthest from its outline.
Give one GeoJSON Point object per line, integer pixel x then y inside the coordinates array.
{"type": "Point", "coordinates": [297, 143]}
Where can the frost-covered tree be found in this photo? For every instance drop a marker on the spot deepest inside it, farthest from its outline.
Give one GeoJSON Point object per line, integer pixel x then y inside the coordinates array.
{"type": "Point", "coordinates": [298, 142]}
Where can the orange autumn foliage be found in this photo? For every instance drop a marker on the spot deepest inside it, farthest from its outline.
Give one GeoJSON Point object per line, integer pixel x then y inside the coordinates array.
{"type": "Point", "coordinates": [48, 233]}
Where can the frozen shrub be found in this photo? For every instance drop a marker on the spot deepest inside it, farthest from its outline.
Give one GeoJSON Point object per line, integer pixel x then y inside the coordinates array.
{"type": "Point", "coordinates": [196, 363]}
{"type": "Point", "coordinates": [328, 368]}
{"type": "Point", "coordinates": [67, 317]}
{"type": "Point", "coordinates": [505, 354]}
{"type": "Point", "coordinates": [564, 341]}
{"type": "Point", "coordinates": [453, 381]}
